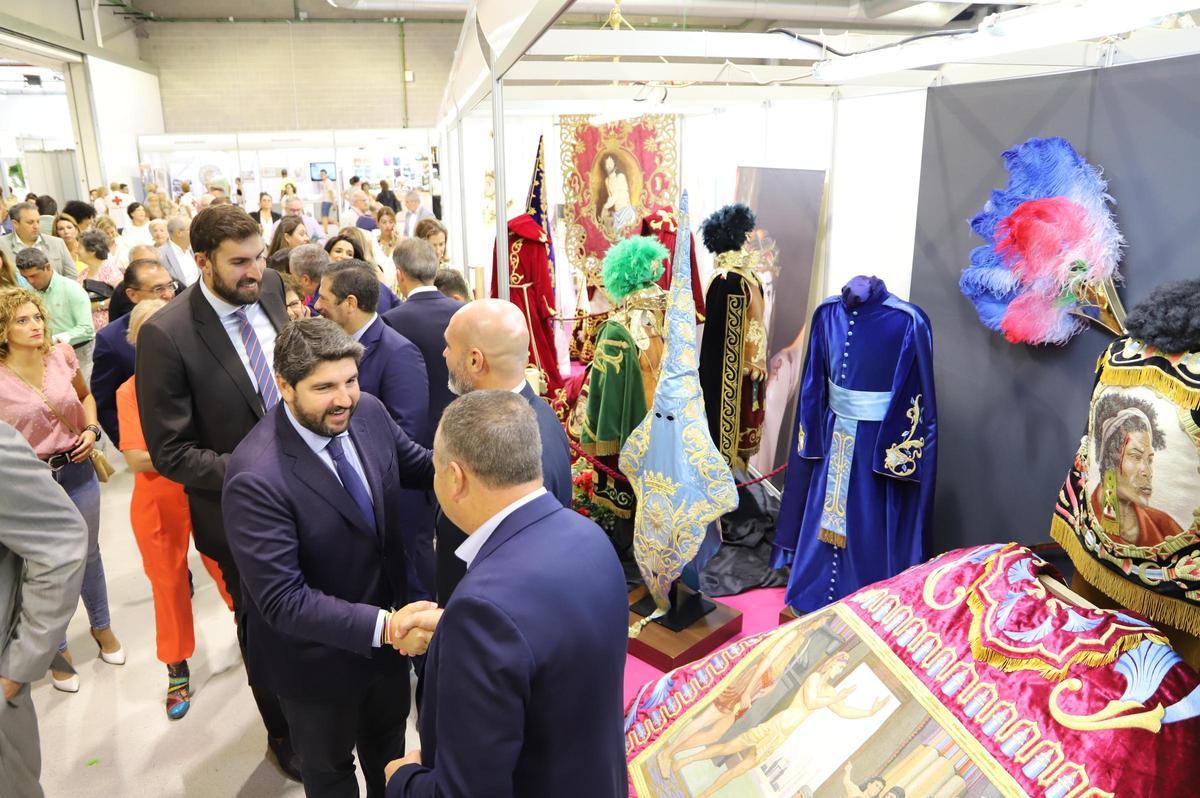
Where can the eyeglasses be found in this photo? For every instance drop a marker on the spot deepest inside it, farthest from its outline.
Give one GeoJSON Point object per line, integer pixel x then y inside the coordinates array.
{"type": "Point", "coordinates": [159, 290]}
{"type": "Point", "coordinates": [295, 303]}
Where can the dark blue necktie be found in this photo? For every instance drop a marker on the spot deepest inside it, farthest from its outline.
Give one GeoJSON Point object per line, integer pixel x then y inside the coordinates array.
{"type": "Point", "coordinates": [351, 481]}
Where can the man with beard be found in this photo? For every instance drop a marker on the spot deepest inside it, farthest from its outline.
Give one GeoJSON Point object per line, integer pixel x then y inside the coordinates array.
{"type": "Point", "coordinates": [206, 380]}
{"type": "Point", "coordinates": [314, 512]}
{"type": "Point", "coordinates": [487, 344]}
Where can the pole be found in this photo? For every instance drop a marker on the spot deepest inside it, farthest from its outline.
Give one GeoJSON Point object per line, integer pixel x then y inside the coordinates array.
{"type": "Point", "coordinates": [501, 194]}
{"type": "Point", "coordinates": [461, 168]}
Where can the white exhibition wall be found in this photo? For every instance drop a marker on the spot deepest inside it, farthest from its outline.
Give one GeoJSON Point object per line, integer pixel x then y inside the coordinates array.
{"type": "Point", "coordinates": [127, 104]}
{"type": "Point", "coordinates": [871, 147]}
{"type": "Point", "coordinates": [45, 117]}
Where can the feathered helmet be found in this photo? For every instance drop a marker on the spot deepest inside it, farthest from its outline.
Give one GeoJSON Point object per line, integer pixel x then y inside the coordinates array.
{"type": "Point", "coordinates": [632, 264]}
{"type": "Point", "coordinates": [726, 230]}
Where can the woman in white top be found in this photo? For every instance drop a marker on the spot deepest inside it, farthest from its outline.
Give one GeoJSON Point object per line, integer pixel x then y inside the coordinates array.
{"type": "Point", "coordinates": [138, 229]}
{"type": "Point", "coordinates": [188, 205]}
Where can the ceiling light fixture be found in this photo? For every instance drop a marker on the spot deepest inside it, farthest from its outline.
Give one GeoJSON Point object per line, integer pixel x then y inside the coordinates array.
{"type": "Point", "coordinates": [1030, 28]}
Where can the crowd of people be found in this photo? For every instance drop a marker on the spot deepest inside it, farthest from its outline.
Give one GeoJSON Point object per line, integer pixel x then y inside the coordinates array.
{"type": "Point", "coordinates": [362, 466]}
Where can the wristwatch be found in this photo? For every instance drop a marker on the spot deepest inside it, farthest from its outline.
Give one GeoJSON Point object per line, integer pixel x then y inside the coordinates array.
{"type": "Point", "coordinates": [95, 430]}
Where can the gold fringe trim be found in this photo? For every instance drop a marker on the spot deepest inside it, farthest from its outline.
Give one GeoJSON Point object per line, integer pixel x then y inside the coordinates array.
{"type": "Point", "coordinates": [619, 512]}
{"type": "Point", "coordinates": [601, 448]}
{"type": "Point", "coordinates": [1155, 606]}
{"type": "Point", "coordinates": [1152, 377]}
{"type": "Point", "coordinates": [832, 538]}
{"type": "Point", "coordinates": [1012, 664]}
{"type": "Point", "coordinates": [637, 628]}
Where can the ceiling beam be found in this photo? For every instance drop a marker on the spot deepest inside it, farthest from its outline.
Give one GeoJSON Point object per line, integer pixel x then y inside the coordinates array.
{"type": "Point", "coordinates": [566, 72]}
{"type": "Point", "coordinates": [561, 43]}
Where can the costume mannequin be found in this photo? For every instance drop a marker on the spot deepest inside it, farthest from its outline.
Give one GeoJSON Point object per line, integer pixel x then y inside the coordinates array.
{"type": "Point", "coordinates": [1128, 514]}
{"type": "Point", "coordinates": [624, 370]}
{"type": "Point", "coordinates": [663, 224]}
{"type": "Point", "coordinates": [858, 502]}
{"type": "Point", "coordinates": [733, 351]}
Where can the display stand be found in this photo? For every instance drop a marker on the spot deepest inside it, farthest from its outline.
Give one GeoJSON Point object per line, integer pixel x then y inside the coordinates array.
{"type": "Point", "coordinates": [696, 626]}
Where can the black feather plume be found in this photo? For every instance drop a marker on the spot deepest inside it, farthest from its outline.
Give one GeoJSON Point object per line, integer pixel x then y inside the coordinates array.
{"type": "Point", "coordinates": [1169, 319]}
{"type": "Point", "coordinates": [726, 229]}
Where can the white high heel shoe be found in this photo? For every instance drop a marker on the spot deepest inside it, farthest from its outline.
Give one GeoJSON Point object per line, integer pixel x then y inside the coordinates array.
{"type": "Point", "coordinates": [70, 685]}
{"type": "Point", "coordinates": [115, 658]}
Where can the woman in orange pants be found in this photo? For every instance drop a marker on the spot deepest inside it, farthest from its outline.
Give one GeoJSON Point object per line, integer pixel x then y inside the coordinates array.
{"type": "Point", "coordinates": [162, 526]}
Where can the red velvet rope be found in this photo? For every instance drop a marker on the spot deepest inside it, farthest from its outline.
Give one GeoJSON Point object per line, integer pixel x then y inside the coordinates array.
{"type": "Point", "coordinates": [614, 474]}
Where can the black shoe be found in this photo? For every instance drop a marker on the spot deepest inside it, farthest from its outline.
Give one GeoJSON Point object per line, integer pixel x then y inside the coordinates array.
{"type": "Point", "coordinates": [287, 759]}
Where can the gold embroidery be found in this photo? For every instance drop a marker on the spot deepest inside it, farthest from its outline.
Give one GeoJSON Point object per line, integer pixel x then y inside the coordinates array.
{"type": "Point", "coordinates": [514, 261]}
{"type": "Point", "coordinates": [800, 440]}
{"type": "Point", "coordinates": [731, 379]}
{"type": "Point", "coordinates": [901, 458]}
{"type": "Point", "coordinates": [841, 452]}
{"type": "Point", "coordinates": [1108, 718]}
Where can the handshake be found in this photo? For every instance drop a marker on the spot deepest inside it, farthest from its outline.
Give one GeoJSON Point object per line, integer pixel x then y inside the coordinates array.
{"type": "Point", "coordinates": [409, 629]}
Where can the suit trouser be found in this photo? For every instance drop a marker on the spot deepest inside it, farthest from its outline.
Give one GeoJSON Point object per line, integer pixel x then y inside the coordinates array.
{"type": "Point", "coordinates": [208, 531]}
{"type": "Point", "coordinates": [162, 527]}
{"type": "Point", "coordinates": [20, 747]}
{"type": "Point", "coordinates": [371, 718]}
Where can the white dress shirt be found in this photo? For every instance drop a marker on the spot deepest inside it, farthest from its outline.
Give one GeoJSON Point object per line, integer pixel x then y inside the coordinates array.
{"type": "Point", "coordinates": [358, 334]}
{"type": "Point", "coordinates": [319, 444]}
{"type": "Point", "coordinates": [420, 288]}
{"type": "Point", "coordinates": [258, 319]}
{"type": "Point", "coordinates": [470, 548]}
{"type": "Point", "coordinates": [187, 263]}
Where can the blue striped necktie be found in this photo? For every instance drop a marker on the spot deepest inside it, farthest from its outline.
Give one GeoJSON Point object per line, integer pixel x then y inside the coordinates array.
{"type": "Point", "coordinates": [351, 481]}
{"type": "Point", "coordinates": [258, 360]}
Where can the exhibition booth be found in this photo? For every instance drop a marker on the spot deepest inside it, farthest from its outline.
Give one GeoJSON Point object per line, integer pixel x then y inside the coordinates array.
{"type": "Point", "coordinates": [960, 221]}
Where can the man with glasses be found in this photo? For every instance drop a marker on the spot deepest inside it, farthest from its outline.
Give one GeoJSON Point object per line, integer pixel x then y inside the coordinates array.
{"type": "Point", "coordinates": [145, 278]}
{"type": "Point", "coordinates": [27, 233]}
{"type": "Point", "coordinates": [294, 206]}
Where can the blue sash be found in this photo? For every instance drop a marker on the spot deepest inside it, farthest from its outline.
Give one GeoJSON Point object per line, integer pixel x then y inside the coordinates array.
{"type": "Point", "coordinates": [849, 407]}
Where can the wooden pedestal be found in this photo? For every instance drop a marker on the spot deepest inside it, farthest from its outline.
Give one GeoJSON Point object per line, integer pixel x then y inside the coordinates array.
{"type": "Point", "coordinates": [667, 650]}
{"type": "Point", "coordinates": [786, 615]}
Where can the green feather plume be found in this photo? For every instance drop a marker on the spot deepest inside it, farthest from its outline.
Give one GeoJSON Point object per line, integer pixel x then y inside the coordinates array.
{"type": "Point", "coordinates": [632, 264]}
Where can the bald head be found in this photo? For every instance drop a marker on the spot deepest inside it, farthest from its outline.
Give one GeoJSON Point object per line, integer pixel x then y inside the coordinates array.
{"type": "Point", "coordinates": [144, 252]}
{"type": "Point", "coordinates": [487, 346]}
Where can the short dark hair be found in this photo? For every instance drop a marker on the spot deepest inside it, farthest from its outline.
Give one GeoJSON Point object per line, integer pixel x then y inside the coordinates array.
{"type": "Point", "coordinates": [450, 282]}
{"type": "Point", "coordinates": [95, 242]}
{"type": "Point", "coordinates": [354, 181]}
{"type": "Point", "coordinates": [495, 435]}
{"type": "Point", "coordinates": [895, 792]}
{"type": "Point", "coordinates": [278, 260]}
{"type": "Point", "coordinates": [358, 251]}
{"type": "Point", "coordinates": [217, 224]}
{"type": "Point", "coordinates": [46, 205]}
{"type": "Point", "coordinates": [135, 271]}
{"type": "Point", "coordinates": [354, 277]}
{"type": "Point", "coordinates": [32, 258]}
{"type": "Point", "coordinates": [133, 206]}
{"type": "Point", "coordinates": [79, 210]}
{"type": "Point", "coordinates": [306, 344]}
{"type": "Point", "coordinates": [873, 780]}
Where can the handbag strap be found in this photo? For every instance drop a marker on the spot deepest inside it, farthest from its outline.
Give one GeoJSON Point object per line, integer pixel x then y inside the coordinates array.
{"type": "Point", "coordinates": [53, 409]}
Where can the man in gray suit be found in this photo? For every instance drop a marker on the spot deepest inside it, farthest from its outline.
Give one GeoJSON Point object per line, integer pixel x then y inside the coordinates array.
{"type": "Point", "coordinates": [27, 233]}
{"type": "Point", "coordinates": [414, 212]}
{"type": "Point", "coordinates": [43, 542]}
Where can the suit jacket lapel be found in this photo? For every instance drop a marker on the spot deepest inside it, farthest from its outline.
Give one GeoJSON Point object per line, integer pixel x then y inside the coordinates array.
{"type": "Point", "coordinates": [531, 513]}
{"type": "Point", "coordinates": [212, 332]}
{"type": "Point", "coordinates": [271, 300]}
{"type": "Point", "coordinates": [309, 469]}
{"type": "Point", "coordinates": [370, 340]}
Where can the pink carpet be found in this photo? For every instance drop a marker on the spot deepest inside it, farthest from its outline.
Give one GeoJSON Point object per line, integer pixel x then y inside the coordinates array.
{"type": "Point", "coordinates": [760, 612]}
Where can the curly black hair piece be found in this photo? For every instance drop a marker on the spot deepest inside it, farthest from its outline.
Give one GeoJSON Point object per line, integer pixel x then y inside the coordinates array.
{"type": "Point", "coordinates": [727, 228]}
{"type": "Point", "coordinates": [1169, 319]}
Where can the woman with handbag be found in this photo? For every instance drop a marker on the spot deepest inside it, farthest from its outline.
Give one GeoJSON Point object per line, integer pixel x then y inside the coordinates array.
{"type": "Point", "coordinates": [44, 396]}
{"type": "Point", "coordinates": [98, 274]}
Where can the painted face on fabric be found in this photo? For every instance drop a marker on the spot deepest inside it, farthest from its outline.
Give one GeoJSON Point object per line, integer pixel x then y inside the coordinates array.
{"type": "Point", "coordinates": [1135, 478]}
{"type": "Point", "coordinates": [324, 401]}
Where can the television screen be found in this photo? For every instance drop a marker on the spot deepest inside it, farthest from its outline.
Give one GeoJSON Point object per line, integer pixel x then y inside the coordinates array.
{"type": "Point", "coordinates": [314, 170]}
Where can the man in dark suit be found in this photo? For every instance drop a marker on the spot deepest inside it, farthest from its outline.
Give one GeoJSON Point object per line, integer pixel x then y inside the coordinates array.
{"type": "Point", "coordinates": [422, 319]}
{"type": "Point", "coordinates": [393, 371]}
{"type": "Point", "coordinates": [112, 359]}
{"type": "Point", "coordinates": [522, 688]}
{"type": "Point", "coordinates": [206, 361]}
{"type": "Point", "coordinates": [487, 346]}
{"type": "Point", "coordinates": [122, 303]}
{"type": "Point", "coordinates": [314, 518]}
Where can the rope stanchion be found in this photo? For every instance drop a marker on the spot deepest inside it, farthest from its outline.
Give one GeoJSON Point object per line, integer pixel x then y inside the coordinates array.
{"type": "Point", "coordinates": [612, 473]}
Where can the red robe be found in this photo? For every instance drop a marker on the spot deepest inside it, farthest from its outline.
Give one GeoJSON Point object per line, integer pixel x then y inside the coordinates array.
{"type": "Point", "coordinates": [663, 224]}
{"type": "Point", "coordinates": [531, 288]}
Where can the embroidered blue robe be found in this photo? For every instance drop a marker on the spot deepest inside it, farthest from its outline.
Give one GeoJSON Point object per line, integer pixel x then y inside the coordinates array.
{"type": "Point", "coordinates": [858, 502]}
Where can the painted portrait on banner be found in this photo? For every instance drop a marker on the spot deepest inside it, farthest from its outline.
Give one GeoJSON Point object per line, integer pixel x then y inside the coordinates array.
{"type": "Point", "coordinates": [613, 175]}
